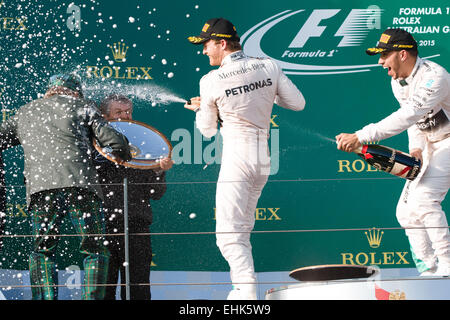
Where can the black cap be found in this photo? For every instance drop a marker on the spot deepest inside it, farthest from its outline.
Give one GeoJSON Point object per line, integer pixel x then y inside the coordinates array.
{"type": "Point", "coordinates": [216, 28]}
{"type": "Point", "coordinates": [393, 39]}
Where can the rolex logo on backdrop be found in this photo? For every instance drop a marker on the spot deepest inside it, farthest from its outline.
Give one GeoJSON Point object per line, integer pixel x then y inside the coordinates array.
{"type": "Point", "coordinates": [355, 165]}
{"type": "Point", "coordinates": [119, 51]}
{"type": "Point", "coordinates": [10, 23]}
{"type": "Point", "coordinates": [116, 68]}
{"type": "Point", "coordinates": [264, 214]}
{"type": "Point", "coordinates": [374, 238]}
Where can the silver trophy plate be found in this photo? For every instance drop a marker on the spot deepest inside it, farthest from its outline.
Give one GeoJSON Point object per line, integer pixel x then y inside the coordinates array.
{"type": "Point", "coordinates": [147, 144]}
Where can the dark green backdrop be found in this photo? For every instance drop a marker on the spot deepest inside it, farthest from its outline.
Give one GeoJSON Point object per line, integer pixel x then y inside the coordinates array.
{"type": "Point", "coordinates": [315, 191]}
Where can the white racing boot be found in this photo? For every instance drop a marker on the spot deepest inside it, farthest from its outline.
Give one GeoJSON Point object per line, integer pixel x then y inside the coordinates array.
{"type": "Point", "coordinates": [443, 270]}
{"type": "Point", "coordinates": [429, 273]}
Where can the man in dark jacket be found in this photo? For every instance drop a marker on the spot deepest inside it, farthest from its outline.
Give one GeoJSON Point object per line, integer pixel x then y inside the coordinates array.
{"type": "Point", "coordinates": [143, 184]}
{"type": "Point", "coordinates": [56, 134]}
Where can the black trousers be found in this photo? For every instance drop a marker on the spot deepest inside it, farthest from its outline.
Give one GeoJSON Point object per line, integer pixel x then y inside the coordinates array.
{"type": "Point", "coordinates": [140, 255]}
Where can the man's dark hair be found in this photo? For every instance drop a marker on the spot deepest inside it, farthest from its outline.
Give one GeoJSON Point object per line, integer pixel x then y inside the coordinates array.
{"type": "Point", "coordinates": [232, 45]}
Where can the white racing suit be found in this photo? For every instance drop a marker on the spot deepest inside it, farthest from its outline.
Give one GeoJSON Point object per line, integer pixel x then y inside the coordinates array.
{"type": "Point", "coordinates": [240, 94]}
{"type": "Point", "coordinates": [424, 99]}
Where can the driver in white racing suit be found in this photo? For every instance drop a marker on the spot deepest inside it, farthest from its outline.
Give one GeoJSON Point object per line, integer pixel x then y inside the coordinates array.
{"type": "Point", "coordinates": [240, 94]}
{"type": "Point", "coordinates": [422, 90]}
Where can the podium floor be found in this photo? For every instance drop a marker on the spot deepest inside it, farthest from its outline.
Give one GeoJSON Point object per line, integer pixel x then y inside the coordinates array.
{"type": "Point", "coordinates": [414, 288]}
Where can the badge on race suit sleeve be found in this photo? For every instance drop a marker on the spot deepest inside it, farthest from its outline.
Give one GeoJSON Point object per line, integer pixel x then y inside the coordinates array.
{"type": "Point", "coordinates": [429, 83]}
{"type": "Point", "coordinates": [423, 95]}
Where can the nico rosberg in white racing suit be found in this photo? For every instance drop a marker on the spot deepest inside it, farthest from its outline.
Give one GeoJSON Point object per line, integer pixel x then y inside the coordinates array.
{"type": "Point", "coordinates": [423, 93]}
{"type": "Point", "coordinates": [240, 94]}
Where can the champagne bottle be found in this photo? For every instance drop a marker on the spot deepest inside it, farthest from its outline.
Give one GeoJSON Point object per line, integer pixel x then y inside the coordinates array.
{"type": "Point", "coordinates": [390, 160]}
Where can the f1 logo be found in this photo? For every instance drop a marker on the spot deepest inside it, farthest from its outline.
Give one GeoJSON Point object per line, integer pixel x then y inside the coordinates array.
{"type": "Point", "coordinates": [351, 29]}
{"type": "Point", "coordinates": [311, 27]}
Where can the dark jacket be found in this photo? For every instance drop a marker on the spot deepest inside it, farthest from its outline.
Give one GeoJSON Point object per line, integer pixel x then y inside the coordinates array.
{"type": "Point", "coordinates": [56, 135]}
{"type": "Point", "coordinates": [143, 185]}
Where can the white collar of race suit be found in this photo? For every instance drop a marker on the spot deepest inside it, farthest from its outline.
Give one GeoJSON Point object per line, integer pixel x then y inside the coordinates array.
{"type": "Point", "coordinates": [234, 56]}
{"type": "Point", "coordinates": [408, 80]}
